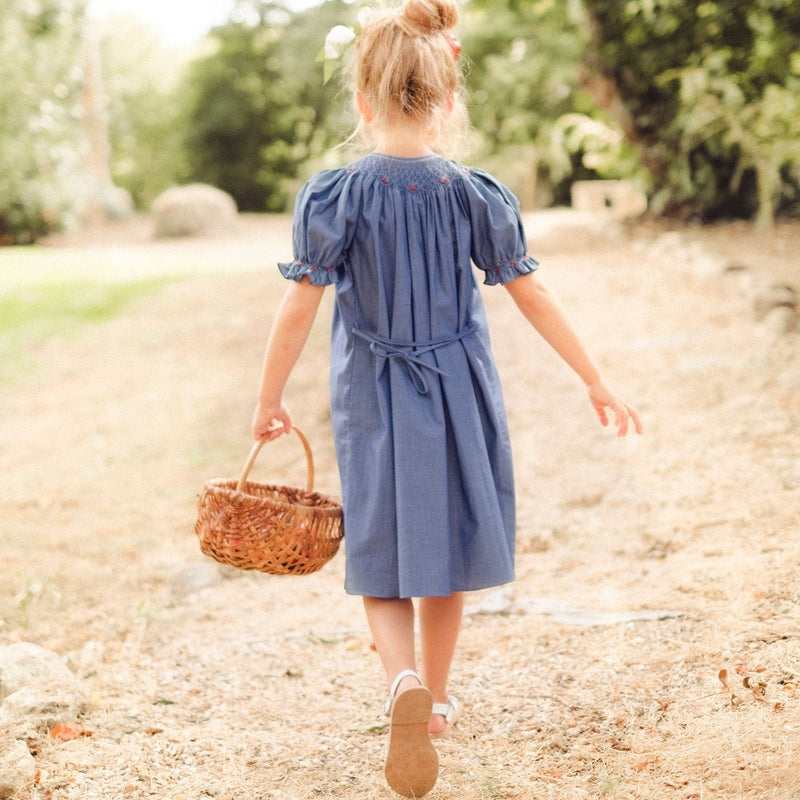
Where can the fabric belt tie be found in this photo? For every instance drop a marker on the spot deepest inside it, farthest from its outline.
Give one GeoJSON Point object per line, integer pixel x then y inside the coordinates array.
{"type": "Point", "coordinates": [410, 353]}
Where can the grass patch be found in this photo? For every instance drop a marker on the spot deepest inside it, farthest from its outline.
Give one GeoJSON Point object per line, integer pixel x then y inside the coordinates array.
{"type": "Point", "coordinates": [29, 315]}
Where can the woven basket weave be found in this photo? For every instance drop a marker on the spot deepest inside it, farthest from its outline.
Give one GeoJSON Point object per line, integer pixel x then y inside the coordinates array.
{"type": "Point", "coordinates": [274, 529]}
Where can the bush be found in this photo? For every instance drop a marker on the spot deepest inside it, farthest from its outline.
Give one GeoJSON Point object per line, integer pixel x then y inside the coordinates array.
{"type": "Point", "coordinates": [710, 92]}
{"type": "Point", "coordinates": [192, 210]}
{"type": "Point", "coordinates": [41, 62]}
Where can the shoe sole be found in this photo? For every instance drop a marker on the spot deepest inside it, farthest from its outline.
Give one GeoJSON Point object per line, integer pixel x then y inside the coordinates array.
{"type": "Point", "coordinates": [412, 765]}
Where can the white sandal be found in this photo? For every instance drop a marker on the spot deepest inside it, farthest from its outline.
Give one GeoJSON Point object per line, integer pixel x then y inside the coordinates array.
{"type": "Point", "coordinates": [406, 673]}
{"type": "Point", "coordinates": [412, 765]}
{"type": "Point", "coordinates": [451, 711]}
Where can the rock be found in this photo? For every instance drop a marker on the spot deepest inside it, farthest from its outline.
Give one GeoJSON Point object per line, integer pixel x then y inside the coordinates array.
{"type": "Point", "coordinates": [37, 690]}
{"type": "Point", "coordinates": [767, 298]}
{"type": "Point", "coordinates": [621, 198]}
{"type": "Point", "coordinates": [192, 210]}
{"type": "Point", "coordinates": [31, 712]}
{"type": "Point", "coordinates": [17, 768]}
{"type": "Point", "coordinates": [87, 659]}
{"type": "Point", "coordinates": [196, 576]}
{"type": "Point", "coordinates": [501, 602]}
{"type": "Point", "coordinates": [778, 321]}
{"type": "Point", "coordinates": [504, 602]}
{"type": "Point", "coordinates": [25, 664]}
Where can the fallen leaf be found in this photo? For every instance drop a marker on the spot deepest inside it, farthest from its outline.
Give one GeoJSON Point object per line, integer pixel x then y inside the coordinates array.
{"type": "Point", "coordinates": [758, 688]}
{"type": "Point", "coordinates": [62, 732]}
{"type": "Point", "coordinates": [554, 773]}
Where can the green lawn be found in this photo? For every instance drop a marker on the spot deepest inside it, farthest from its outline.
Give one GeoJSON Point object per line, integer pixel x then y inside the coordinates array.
{"type": "Point", "coordinates": [46, 292]}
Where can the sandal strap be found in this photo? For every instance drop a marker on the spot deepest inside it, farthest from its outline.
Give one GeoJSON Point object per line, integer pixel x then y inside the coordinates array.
{"type": "Point", "coordinates": [448, 710]}
{"type": "Point", "coordinates": [406, 673]}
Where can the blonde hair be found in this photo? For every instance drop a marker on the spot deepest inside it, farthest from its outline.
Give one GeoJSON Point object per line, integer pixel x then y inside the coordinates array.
{"type": "Point", "coordinates": [406, 64]}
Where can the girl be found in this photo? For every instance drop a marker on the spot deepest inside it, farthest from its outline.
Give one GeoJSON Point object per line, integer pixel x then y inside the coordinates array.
{"type": "Point", "coordinates": [416, 406]}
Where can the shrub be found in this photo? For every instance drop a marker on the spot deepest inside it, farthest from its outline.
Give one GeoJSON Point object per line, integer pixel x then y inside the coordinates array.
{"type": "Point", "coordinates": [192, 210]}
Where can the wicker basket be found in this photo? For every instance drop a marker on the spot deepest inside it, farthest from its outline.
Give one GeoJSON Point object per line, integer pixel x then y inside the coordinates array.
{"type": "Point", "coordinates": [274, 529]}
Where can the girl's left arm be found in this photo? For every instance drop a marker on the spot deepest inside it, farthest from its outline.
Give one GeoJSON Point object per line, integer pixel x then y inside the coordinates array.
{"type": "Point", "coordinates": [288, 337]}
{"type": "Point", "coordinates": [544, 311]}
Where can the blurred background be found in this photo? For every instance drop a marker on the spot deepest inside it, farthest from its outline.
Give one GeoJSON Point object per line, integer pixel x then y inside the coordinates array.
{"type": "Point", "coordinates": [105, 104]}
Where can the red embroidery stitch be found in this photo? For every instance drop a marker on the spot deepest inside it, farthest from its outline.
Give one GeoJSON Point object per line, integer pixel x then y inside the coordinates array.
{"type": "Point", "coordinates": [412, 188]}
{"type": "Point", "coordinates": [384, 179]}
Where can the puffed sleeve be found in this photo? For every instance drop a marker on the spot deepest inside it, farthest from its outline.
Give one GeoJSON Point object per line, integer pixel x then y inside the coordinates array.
{"type": "Point", "coordinates": [499, 247]}
{"type": "Point", "coordinates": [324, 213]}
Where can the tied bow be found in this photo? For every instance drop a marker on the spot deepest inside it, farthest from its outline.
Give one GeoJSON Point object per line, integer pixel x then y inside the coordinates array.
{"type": "Point", "coordinates": [410, 353]}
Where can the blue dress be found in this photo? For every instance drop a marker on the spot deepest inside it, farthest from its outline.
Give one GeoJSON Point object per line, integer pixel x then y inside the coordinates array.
{"type": "Point", "coordinates": [416, 405]}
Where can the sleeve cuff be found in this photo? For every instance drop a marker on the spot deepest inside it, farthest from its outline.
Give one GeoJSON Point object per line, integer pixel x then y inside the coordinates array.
{"type": "Point", "coordinates": [318, 275]}
{"type": "Point", "coordinates": [505, 273]}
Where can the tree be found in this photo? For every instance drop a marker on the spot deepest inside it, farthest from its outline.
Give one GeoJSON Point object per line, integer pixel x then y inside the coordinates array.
{"type": "Point", "coordinates": [258, 107]}
{"type": "Point", "coordinates": [144, 107]}
{"type": "Point", "coordinates": [710, 92]}
{"type": "Point", "coordinates": [535, 126]}
{"type": "Point", "coordinates": [522, 75]}
{"type": "Point", "coordinates": [41, 79]}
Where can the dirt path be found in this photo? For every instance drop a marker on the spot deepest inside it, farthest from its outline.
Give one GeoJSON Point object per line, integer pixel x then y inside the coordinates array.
{"type": "Point", "coordinates": [683, 545]}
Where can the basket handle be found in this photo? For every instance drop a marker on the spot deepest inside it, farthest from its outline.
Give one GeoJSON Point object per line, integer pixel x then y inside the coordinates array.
{"type": "Point", "coordinates": [257, 447]}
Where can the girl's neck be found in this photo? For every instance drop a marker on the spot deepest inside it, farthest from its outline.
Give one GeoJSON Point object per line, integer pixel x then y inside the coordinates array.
{"type": "Point", "coordinates": [402, 141]}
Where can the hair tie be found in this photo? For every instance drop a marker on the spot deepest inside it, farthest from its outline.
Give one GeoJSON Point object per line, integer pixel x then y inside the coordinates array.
{"type": "Point", "coordinates": [455, 46]}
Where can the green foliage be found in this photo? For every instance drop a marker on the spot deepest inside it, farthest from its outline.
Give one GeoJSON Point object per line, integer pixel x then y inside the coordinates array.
{"type": "Point", "coordinates": [145, 112]}
{"type": "Point", "coordinates": [522, 76]}
{"type": "Point", "coordinates": [535, 127]}
{"type": "Point", "coordinates": [40, 84]}
{"type": "Point", "coordinates": [258, 106]}
{"type": "Point", "coordinates": [710, 92]}
{"type": "Point", "coordinates": [522, 67]}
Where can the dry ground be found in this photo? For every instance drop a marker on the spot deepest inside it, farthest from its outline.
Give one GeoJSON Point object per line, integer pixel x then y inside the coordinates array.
{"type": "Point", "coordinates": [255, 687]}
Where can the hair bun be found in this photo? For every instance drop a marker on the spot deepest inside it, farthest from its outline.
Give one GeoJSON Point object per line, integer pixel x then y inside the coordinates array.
{"type": "Point", "coordinates": [430, 16]}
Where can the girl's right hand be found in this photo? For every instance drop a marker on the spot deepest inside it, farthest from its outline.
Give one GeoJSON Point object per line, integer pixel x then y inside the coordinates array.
{"type": "Point", "coordinates": [271, 421]}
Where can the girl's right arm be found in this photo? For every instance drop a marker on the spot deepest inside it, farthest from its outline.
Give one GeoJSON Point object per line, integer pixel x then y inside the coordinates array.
{"type": "Point", "coordinates": [543, 310]}
{"type": "Point", "coordinates": [287, 338]}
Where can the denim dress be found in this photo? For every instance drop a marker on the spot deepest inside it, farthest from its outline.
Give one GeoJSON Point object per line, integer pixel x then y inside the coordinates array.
{"type": "Point", "coordinates": [416, 404]}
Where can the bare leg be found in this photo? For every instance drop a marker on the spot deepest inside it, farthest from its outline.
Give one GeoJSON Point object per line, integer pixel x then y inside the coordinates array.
{"type": "Point", "coordinates": [392, 625]}
{"type": "Point", "coordinates": [440, 625]}
{"type": "Point", "coordinates": [412, 764]}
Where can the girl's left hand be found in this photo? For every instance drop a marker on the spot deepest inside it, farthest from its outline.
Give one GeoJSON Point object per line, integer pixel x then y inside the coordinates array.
{"type": "Point", "coordinates": [602, 398]}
